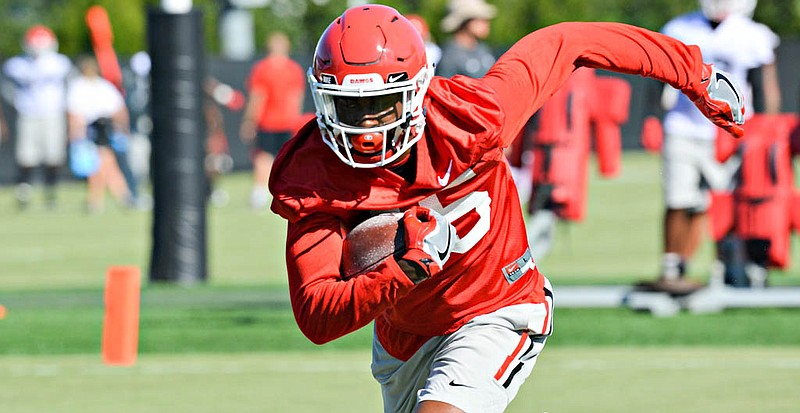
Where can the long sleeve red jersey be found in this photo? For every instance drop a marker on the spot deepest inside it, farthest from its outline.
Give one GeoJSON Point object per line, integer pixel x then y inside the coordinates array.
{"type": "Point", "coordinates": [460, 172]}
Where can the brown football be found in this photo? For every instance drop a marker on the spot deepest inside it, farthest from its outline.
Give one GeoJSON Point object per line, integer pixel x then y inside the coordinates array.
{"type": "Point", "coordinates": [371, 242]}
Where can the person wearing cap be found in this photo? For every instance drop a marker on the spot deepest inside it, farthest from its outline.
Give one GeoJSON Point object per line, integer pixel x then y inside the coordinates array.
{"type": "Point", "coordinates": [96, 111]}
{"type": "Point", "coordinates": [465, 53]}
{"type": "Point", "coordinates": [39, 79]}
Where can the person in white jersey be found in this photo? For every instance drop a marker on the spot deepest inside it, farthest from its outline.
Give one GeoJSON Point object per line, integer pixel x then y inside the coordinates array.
{"type": "Point", "coordinates": [96, 110]}
{"type": "Point", "coordinates": [39, 77]}
{"type": "Point", "coordinates": [733, 42]}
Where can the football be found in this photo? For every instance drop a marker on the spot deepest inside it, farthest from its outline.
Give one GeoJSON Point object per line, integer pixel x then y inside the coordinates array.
{"type": "Point", "coordinates": [372, 241]}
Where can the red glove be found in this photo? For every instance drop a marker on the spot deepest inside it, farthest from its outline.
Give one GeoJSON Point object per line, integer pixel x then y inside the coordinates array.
{"type": "Point", "coordinates": [719, 99]}
{"type": "Point", "coordinates": [429, 239]}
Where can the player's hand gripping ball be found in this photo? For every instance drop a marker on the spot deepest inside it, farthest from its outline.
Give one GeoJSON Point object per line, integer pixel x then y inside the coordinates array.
{"type": "Point", "coordinates": [420, 239]}
{"type": "Point", "coordinates": [429, 239]}
{"type": "Point", "coordinates": [371, 242]}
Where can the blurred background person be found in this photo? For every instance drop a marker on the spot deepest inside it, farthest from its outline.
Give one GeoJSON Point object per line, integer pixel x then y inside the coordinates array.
{"type": "Point", "coordinates": [96, 111]}
{"type": "Point", "coordinates": [38, 77]}
{"type": "Point", "coordinates": [137, 98]}
{"type": "Point", "coordinates": [275, 89]}
{"type": "Point", "coordinates": [432, 50]}
{"type": "Point", "coordinates": [3, 125]}
{"type": "Point", "coordinates": [218, 160]}
{"type": "Point", "coordinates": [465, 52]}
{"type": "Point", "coordinates": [732, 41]}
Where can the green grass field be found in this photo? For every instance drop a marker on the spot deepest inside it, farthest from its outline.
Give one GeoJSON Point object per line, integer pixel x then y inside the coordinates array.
{"type": "Point", "coordinates": [231, 344]}
{"type": "Point", "coordinates": [581, 379]}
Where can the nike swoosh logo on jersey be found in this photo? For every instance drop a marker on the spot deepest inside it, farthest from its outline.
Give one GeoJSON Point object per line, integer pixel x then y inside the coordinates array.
{"type": "Point", "coordinates": [454, 384]}
{"type": "Point", "coordinates": [443, 180]}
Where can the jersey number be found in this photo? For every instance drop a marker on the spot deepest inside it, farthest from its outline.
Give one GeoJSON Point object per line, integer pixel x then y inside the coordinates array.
{"type": "Point", "coordinates": [479, 202]}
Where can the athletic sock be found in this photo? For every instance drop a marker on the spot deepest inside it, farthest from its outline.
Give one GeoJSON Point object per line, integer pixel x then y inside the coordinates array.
{"type": "Point", "coordinates": [50, 182]}
{"type": "Point", "coordinates": [757, 275]}
{"type": "Point", "coordinates": [23, 192]}
{"type": "Point", "coordinates": [671, 266]}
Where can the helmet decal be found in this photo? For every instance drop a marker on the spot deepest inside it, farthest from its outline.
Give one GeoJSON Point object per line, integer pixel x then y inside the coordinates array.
{"type": "Point", "coordinates": [397, 77]}
{"type": "Point", "coordinates": [327, 79]}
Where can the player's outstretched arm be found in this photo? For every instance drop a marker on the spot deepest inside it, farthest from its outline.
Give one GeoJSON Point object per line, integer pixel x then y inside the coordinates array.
{"type": "Point", "coordinates": [542, 61]}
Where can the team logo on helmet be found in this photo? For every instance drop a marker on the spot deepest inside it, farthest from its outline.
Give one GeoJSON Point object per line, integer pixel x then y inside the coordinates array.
{"type": "Point", "coordinates": [362, 79]}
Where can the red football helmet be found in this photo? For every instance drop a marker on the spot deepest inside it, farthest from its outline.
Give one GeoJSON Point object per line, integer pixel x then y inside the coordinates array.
{"type": "Point", "coordinates": [369, 52]}
{"type": "Point", "coordinates": [39, 40]}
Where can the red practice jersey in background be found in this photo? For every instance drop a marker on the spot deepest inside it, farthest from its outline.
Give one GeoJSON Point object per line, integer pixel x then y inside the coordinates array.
{"type": "Point", "coordinates": [282, 82]}
{"type": "Point", "coordinates": [460, 172]}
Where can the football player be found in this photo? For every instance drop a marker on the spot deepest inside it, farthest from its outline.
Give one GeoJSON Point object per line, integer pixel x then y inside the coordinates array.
{"type": "Point", "coordinates": [39, 78]}
{"type": "Point", "coordinates": [460, 316]}
{"type": "Point", "coordinates": [733, 42]}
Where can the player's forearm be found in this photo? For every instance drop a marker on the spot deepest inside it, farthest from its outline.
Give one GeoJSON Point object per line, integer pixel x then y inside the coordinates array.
{"type": "Point", "coordinates": [326, 305]}
{"type": "Point", "coordinates": [76, 126]}
{"type": "Point", "coordinates": [629, 49]}
{"type": "Point", "coordinates": [552, 53]}
{"type": "Point", "coordinates": [329, 307]}
{"type": "Point", "coordinates": [540, 63]}
{"type": "Point", "coordinates": [329, 310]}
{"type": "Point", "coordinates": [254, 105]}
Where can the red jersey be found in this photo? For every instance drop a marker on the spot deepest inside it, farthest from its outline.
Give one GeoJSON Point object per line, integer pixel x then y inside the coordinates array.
{"type": "Point", "coordinates": [282, 82]}
{"type": "Point", "coordinates": [460, 171]}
